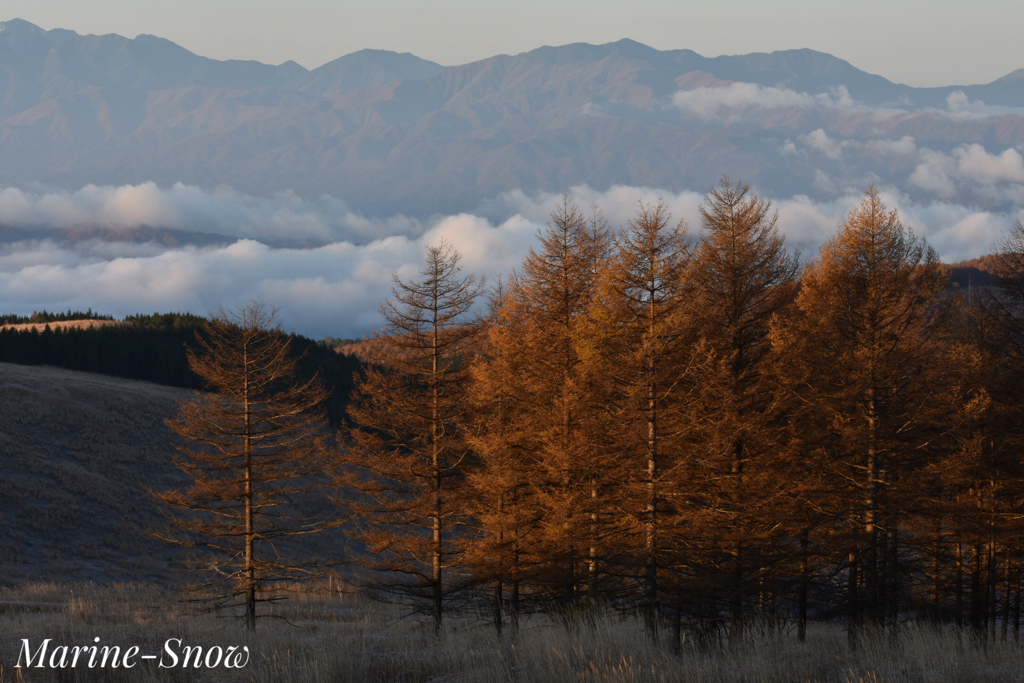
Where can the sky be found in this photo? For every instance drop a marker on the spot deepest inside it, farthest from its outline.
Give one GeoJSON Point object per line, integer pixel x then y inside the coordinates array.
{"type": "Point", "coordinates": [917, 42]}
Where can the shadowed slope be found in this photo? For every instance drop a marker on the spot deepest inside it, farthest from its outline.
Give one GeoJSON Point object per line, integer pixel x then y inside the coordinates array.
{"type": "Point", "coordinates": [77, 451]}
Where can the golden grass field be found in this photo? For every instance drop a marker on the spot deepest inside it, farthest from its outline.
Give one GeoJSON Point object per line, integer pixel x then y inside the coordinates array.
{"type": "Point", "coordinates": [337, 637]}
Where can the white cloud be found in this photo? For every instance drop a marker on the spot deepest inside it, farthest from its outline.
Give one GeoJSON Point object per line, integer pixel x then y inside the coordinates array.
{"type": "Point", "coordinates": [975, 164]}
{"type": "Point", "coordinates": [819, 141]}
{"type": "Point", "coordinates": [618, 203]}
{"type": "Point", "coordinates": [957, 101]}
{"type": "Point", "coordinates": [823, 183]}
{"type": "Point", "coordinates": [960, 107]}
{"type": "Point", "coordinates": [905, 146]}
{"type": "Point", "coordinates": [283, 216]}
{"type": "Point", "coordinates": [335, 288]}
{"type": "Point", "coordinates": [934, 173]}
{"type": "Point", "coordinates": [789, 149]}
{"type": "Point", "coordinates": [710, 103]}
{"type": "Point", "coordinates": [971, 168]}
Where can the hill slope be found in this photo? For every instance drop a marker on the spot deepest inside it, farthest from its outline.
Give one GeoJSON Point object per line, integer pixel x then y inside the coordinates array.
{"type": "Point", "coordinates": [78, 451]}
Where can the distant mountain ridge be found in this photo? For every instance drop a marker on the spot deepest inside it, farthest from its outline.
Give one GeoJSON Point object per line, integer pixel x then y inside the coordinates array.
{"type": "Point", "coordinates": [390, 132]}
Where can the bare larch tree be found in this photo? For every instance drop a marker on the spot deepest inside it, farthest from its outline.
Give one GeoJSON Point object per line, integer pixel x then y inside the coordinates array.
{"type": "Point", "coordinates": [407, 452]}
{"type": "Point", "coordinates": [252, 446]}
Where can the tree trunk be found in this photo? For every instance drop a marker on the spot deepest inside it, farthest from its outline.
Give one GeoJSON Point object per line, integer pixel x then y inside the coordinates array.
{"type": "Point", "coordinates": [1016, 598]}
{"type": "Point", "coordinates": [514, 606]}
{"type": "Point", "coordinates": [976, 599]}
{"type": "Point", "coordinates": [651, 543]}
{"type": "Point", "coordinates": [1007, 599]}
{"type": "Point", "coordinates": [959, 584]}
{"type": "Point", "coordinates": [882, 574]}
{"type": "Point", "coordinates": [870, 568]}
{"type": "Point", "coordinates": [893, 600]}
{"type": "Point", "coordinates": [438, 597]}
{"type": "Point", "coordinates": [853, 606]}
{"type": "Point", "coordinates": [592, 563]}
{"type": "Point", "coordinates": [677, 628]}
{"type": "Point", "coordinates": [498, 595]}
{"type": "Point", "coordinates": [936, 549]}
{"type": "Point", "coordinates": [736, 597]}
{"type": "Point", "coordinates": [801, 623]}
{"type": "Point", "coordinates": [250, 532]}
{"type": "Point", "coordinates": [991, 610]}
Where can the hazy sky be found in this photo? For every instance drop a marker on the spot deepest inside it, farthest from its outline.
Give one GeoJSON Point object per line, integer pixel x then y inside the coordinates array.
{"type": "Point", "coordinates": [918, 42]}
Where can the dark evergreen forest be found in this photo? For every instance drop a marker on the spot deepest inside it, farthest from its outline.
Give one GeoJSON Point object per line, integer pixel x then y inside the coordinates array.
{"type": "Point", "coordinates": [153, 348]}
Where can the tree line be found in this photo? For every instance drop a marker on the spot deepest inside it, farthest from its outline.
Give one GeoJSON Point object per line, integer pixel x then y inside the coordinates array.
{"type": "Point", "coordinates": [154, 348]}
{"type": "Point", "coordinates": [691, 425]}
{"type": "Point", "coordinates": [45, 316]}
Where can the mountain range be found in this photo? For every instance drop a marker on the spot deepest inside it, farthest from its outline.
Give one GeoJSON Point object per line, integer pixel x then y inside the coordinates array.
{"type": "Point", "coordinates": [392, 133]}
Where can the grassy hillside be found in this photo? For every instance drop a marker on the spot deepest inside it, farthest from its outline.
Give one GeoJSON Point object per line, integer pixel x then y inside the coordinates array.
{"type": "Point", "coordinates": [76, 451]}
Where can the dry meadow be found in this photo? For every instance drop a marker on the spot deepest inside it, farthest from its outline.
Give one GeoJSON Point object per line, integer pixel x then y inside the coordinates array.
{"type": "Point", "coordinates": [331, 636]}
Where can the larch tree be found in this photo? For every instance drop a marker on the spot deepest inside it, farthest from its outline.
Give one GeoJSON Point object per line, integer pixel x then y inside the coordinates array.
{"type": "Point", "coordinates": [533, 355]}
{"type": "Point", "coordinates": [252, 446]}
{"type": "Point", "coordinates": [860, 349]}
{"type": "Point", "coordinates": [406, 451]}
{"type": "Point", "coordinates": [744, 276]}
{"type": "Point", "coordinates": [502, 497]}
{"type": "Point", "coordinates": [1009, 300]}
{"type": "Point", "coordinates": [643, 343]}
{"type": "Point", "coordinates": [985, 474]}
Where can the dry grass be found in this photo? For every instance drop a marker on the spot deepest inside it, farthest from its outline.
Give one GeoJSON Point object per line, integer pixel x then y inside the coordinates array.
{"type": "Point", "coordinates": [76, 452]}
{"type": "Point", "coordinates": [338, 638]}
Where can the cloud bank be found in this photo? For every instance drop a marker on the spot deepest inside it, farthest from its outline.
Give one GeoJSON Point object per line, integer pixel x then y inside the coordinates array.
{"type": "Point", "coordinates": [711, 103]}
{"type": "Point", "coordinates": [334, 288]}
{"type": "Point", "coordinates": [283, 215]}
{"type": "Point", "coordinates": [730, 102]}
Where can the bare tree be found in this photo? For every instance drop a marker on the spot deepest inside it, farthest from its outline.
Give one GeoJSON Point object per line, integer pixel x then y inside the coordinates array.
{"type": "Point", "coordinates": [253, 450]}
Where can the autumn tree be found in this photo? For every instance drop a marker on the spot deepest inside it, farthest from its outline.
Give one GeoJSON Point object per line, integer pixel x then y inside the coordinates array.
{"type": "Point", "coordinates": [642, 342]}
{"type": "Point", "coordinates": [406, 451]}
{"type": "Point", "coordinates": [744, 276]}
{"type": "Point", "coordinates": [982, 476]}
{"type": "Point", "coordinates": [252, 449]}
{"type": "Point", "coordinates": [860, 349]}
{"type": "Point", "coordinates": [502, 489]}
{"type": "Point", "coordinates": [540, 454]}
{"type": "Point", "coordinates": [1009, 301]}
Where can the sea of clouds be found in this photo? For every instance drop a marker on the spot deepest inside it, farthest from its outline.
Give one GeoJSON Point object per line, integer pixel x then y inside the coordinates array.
{"type": "Point", "coordinates": [335, 287]}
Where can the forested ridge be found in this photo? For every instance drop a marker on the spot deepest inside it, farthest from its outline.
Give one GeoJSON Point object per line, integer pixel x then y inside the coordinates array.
{"type": "Point", "coordinates": [696, 426]}
{"type": "Point", "coordinates": [152, 348]}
